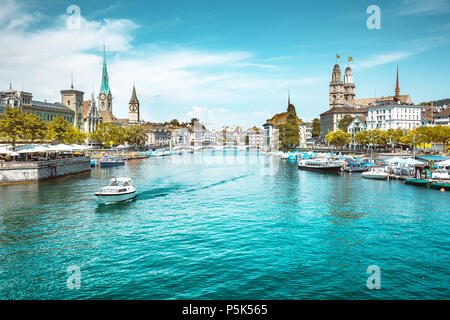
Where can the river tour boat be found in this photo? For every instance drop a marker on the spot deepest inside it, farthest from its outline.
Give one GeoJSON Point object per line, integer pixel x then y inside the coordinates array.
{"type": "Point", "coordinates": [319, 165]}
{"type": "Point", "coordinates": [118, 189]}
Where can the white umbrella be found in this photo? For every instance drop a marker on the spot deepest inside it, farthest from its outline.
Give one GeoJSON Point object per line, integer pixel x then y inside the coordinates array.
{"type": "Point", "coordinates": [63, 147]}
{"type": "Point", "coordinates": [412, 161]}
{"type": "Point", "coordinates": [445, 163]}
{"type": "Point", "coordinates": [395, 160]}
{"type": "Point", "coordinates": [4, 150]}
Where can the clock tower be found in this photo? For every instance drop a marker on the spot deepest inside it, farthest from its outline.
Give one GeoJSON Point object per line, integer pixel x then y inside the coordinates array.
{"type": "Point", "coordinates": [105, 96]}
{"type": "Point", "coordinates": [133, 114]}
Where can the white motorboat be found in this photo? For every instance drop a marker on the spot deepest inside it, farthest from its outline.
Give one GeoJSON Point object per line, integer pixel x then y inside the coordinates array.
{"type": "Point", "coordinates": [119, 189]}
{"type": "Point", "coordinates": [375, 173]}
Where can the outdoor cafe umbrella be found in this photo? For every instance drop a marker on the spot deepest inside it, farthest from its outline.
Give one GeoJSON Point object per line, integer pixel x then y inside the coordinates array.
{"type": "Point", "coordinates": [395, 160]}
{"type": "Point", "coordinates": [445, 163]}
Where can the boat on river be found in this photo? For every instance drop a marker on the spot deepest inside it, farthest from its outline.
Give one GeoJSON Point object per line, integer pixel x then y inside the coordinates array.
{"type": "Point", "coordinates": [118, 189]}
{"type": "Point", "coordinates": [375, 173]}
{"type": "Point", "coordinates": [319, 165]}
{"type": "Point", "coordinates": [439, 185]}
{"type": "Point", "coordinates": [111, 162]}
{"type": "Point", "coordinates": [417, 182]}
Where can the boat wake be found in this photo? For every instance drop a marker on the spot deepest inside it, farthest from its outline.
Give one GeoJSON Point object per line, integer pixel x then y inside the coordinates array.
{"type": "Point", "coordinates": [218, 183]}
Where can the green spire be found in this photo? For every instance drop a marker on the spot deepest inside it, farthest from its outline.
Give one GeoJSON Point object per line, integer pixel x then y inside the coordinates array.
{"type": "Point", "coordinates": [105, 78]}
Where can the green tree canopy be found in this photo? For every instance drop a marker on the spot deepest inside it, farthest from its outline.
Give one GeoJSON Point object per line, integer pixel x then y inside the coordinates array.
{"type": "Point", "coordinates": [363, 138]}
{"type": "Point", "coordinates": [315, 132]}
{"type": "Point", "coordinates": [344, 123]}
{"type": "Point", "coordinates": [136, 136]}
{"type": "Point", "coordinates": [35, 127]}
{"type": "Point", "coordinates": [338, 138]}
{"type": "Point", "coordinates": [289, 132]}
{"type": "Point", "coordinates": [12, 125]}
{"type": "Point", "coordinates": [108, 135]}
{"type": "Point", "coordinates": [60, 131]}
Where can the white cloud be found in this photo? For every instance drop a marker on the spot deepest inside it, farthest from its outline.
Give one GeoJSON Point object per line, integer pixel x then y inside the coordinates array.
{"type": "Point", "coordinates": [171, 81]}
{"type": "Point", "coordinates": [380, 59]}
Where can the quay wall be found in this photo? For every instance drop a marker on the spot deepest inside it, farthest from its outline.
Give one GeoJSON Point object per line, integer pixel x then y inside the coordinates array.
{"type": "Point", "coordinates": [18, 171]}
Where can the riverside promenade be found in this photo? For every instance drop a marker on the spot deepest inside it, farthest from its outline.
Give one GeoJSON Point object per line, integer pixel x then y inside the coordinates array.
{"type": "Point", "coordinates": [25, 171]}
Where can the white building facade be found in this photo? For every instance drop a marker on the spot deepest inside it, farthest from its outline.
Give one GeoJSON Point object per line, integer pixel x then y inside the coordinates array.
{"type": "Point", "coordinates": [394, 116]}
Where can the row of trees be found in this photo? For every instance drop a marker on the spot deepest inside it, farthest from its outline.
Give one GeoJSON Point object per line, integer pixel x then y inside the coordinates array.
{"type": "Point", "coordinates": [393, 137]}
{"type": "Point", "coordinates": [16, 125]}
{"type": "Point", "coordinates": [109, 135]}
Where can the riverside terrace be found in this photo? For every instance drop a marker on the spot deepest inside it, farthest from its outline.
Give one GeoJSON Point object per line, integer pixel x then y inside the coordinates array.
{"type": "Point", "coordinates": [38, 162]}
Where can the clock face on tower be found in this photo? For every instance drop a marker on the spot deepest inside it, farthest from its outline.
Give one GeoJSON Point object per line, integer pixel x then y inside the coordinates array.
{"type": "Point", "coordinates": [133, 107]}
{"type": "Point", "coordinates": [102, 96]}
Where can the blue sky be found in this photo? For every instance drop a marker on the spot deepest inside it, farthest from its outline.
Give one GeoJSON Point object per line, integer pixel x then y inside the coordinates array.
{"type": "Point", "coordinates": [227, 62]}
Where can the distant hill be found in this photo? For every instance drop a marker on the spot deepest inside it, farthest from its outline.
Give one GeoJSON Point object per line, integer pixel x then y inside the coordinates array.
{"type": "Point", "coordinates": [437, 102]}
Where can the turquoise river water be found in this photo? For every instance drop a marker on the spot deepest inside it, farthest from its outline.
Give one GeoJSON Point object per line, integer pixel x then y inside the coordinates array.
{"type": "Point", "coordinates": [220, 225]}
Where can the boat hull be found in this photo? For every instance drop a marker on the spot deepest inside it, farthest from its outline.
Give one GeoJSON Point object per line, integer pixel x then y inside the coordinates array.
{"type": "Point", "coordinates": [334, 169]}
{"type": "Point", "coordinates": [112, 164]}
{"type": "Point", "coordinates": [374, 176]}
{"type": "Point", "coordinates": [104, 199]}
{"type": "Point", "coordinates": [356, 169]}
{"type": "Point", "coordinates": [417, 182]}
{"type": "Point", "coordinates": [439, 186]}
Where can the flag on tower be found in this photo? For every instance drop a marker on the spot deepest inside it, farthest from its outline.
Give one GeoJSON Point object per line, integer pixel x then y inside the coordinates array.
{"type": "Point", "coordinates": [337, 56]}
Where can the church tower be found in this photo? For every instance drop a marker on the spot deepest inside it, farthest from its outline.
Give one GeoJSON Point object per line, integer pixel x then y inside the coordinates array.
{"type": "Point", "coordinates": [74, 100]}
{"type": "Point", "coordinates": [133, 114]}
{"type": "Point", "coordinates": [336, 88]}
{"type": "Point", "coordinates": [349, 86]}
{"type": "Point", "coordinates": [397, 89]}
{"type": "Point", "coordinates": [105, 96]}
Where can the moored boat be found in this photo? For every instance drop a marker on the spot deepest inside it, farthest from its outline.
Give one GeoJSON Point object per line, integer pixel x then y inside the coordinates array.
{"type": "Point", "coordinates": [319, 165]}
{"type": "Point", "coordinates": [417, 182]}
{"type": "Point", "coordinates": [111, 162]}
{"type": "Point", "coordinates": [440, 185]}
{"type": "Point", "coordinates": [119, 189]}
{"type": "Point", "coordinates": [375, 173]}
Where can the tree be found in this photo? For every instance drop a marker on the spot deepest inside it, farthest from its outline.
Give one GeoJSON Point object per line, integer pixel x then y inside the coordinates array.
{"type": "Point", "coordinates": [289, 132]}
{"type": "Point", "coordinates": [315, 132]}
{"type": "Point", "coordinates": [35, 127]}
{"type": "Point", "coordinates": [174, 123]}
{"type": "Point", "coordinates": [12, 125]}
{"type": "Point", "coordinates": [108, 135]}
{"type": "Point", "coordinates": [136, 136]}
{"type": "Point", "coordinates": [338, 138]}
{"type": "Point", "coordinates": [344, 123]}
{"type": "Point", "coordinates": [380, 137]}
{"type": "Point", "coordinates": [442, 135]}
{"type": "Point", "coordinates": [363, 138]}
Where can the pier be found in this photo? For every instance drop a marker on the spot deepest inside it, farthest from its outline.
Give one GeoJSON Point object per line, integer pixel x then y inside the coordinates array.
{"type": "Point", "coordinates": [25, 171]}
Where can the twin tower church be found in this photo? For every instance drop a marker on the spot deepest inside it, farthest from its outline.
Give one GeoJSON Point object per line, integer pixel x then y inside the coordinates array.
{"type": "Point", "coordinates": [88, 114]}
